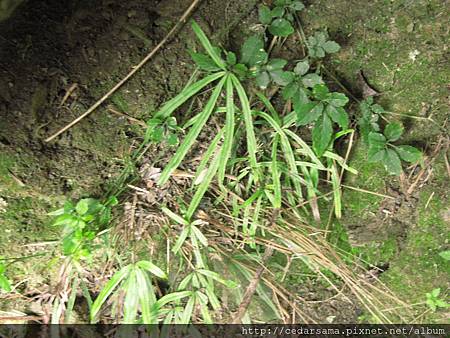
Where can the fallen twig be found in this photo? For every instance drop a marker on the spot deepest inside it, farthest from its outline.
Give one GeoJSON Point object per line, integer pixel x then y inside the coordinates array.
{"type": "Point", "coordinates": [169, 35]}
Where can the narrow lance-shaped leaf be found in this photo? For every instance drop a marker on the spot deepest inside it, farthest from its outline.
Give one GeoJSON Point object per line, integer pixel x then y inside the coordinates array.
{"type": "Point", "coordinates": [107, 290]}
{"type": "Point", "coordinates": [217, 278]}
{"type": "Point", "coordinates": [305, 147]}
{"type": "Point", "coordinates": [229, 132]}
{"type": "Point", "coordinates": [192, 135]}
{"type": "Point", "coordinates": [174, 216]}
{"type": "Point", "coordinates": [146, 297]}
{"type": "Point", "coordinates": [202, 167]}
{"type": "Point", "coordinates": [335, 181]}
{"type": "Point", "coordinates": [276, 174]}
{"type": "Point", "coordinates": [207, 45]}
{"type": "Point", "coordinates": [212, 170]}
{"type": "Point", "coordinates": [130, 305]}
{"type": "Point", "coordinates": [188, 310]}
{"type": "Point", "coordinates": [181, 239]}
{"type": "Point", "coordinates": [185, 95]}
{"type": "Point", "coordinates": [152, 268]}
{"type": "Point", "coordinates": [248, 120]}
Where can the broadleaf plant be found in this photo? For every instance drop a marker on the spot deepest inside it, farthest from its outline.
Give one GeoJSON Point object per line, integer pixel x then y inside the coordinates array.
{"type": "Point", "coordinates": [280, 19]}
{"type": "Point", "coordinates": [381, 149]}
{"type": "Point", "coordinates": [324, 109]}
{"type": "Point", "coordinates": [319, 45]}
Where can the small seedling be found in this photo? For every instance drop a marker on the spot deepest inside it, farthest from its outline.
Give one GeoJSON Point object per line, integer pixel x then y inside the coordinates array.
{"type": "Point", "coordinates": [80, 222]}
{"type": "Point", "coordinates": [5, 284]}
{"type": "Point", "coordinates": [325, 108]}
{"type": "Point", "coordinates": [319, 45]}
{"type": "Point", "coordinates": [159, 130]}
{"type": "Point", "coordinates": [434, 302]}
{"type": "Point", "coordinates": [445, 255]}
{"type": "Point", "coordinates": [298, 89]}
{"type": "Point", "coordinates": [381, 149]}
{"type": "Point", "coordinates": [280, 19]}
{"type": "Point", "coordinates": [369, 121]}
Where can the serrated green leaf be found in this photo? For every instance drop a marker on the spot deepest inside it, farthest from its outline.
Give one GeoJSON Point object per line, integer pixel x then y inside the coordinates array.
{"type": "Point", "coordinates": [290, 90]}
{"type": "Point", "coordinates": [436, 292]}
{"type": "Point", "coordinates": [392, 162]}
{"type": "Point", "coordinates": [322, 134]}
{"type": "Point", "coordinates": [5, 285]}
{"type": "Point", "coordinates": [65, 219]}
{"type": "Point", "coordinates": [82, 207]}
{"type": "Point", "coordinates": [277, 11]}
{"type": "Point", "coordinates": [297, 5]}
{"type": "Point", "coordinates": [204, 62]}
{"type": "Point", "coordinates": [337, 99]}
{"type": "Point", "coordinates": [377, 141]}
{"type": "Point", "coordinates": [408, 153]}
{"type": "Point", "coordinates": [264, 14]}
{"type": "Point", "coordinates": [231, 58]}
{"type": "Point", "coordinates": [281, 27]}
{"type": "Point", "coordinates": [308, 112]}
{"type": "Point", "coordinates": [445, 255]}
{"type": "Point", "coordinates": [331, 47]}
{"type": "Point", "coordinates": [263, 79]}
{"type": "Point", "coordinates": [276, 64]}
{"type": "Point", "coordinates": [252, 52]}
{"type": "Point", "coordinates": [376, 155]}
{"type": "Point", "coordinates": [393, 131]}
{"type": "Point", "coordinates": [321, 92]}
{"type": "Point", "coordinates": [338, 115]}
{"type": "Point", "coordinates": [301, 68]}
{"type": "Point", "coordinates": [311, 80]}
{"type": "Point", "coordinates": [281, 77]}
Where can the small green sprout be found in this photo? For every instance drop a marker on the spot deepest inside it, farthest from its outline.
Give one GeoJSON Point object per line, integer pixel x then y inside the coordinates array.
{"type": "Point", "coordinates": [434, 302]}
{"type": "Point", "coordinates": [319, 45]}
{"type": "Point", "coordinates": [5, 284]}
{"type": "Point", "coordinates": [381, 149]}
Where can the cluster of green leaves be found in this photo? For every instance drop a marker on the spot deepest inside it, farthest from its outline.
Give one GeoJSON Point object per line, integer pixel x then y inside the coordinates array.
{"type": "Point", "coordinates": [323, 109]}
{"type": "Point", "coordinates": [279, 20]}
{"type": "Point", "coordinates": [198, 286]}
{"type": "Point", "coordinates": [319, 45]}
{"type": "Point", "coordinates": [81, 222]}
{"type": "Point", "coordinates": [159, 130]}
{"type": "Point", "coordinates": [381, 147]}
{"type": "Point", "coordinates": [434, 301]}
{"type": "Point", "coordinates": [5, 285]}
{"type": "Point", "coordinates": [134, 282]}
